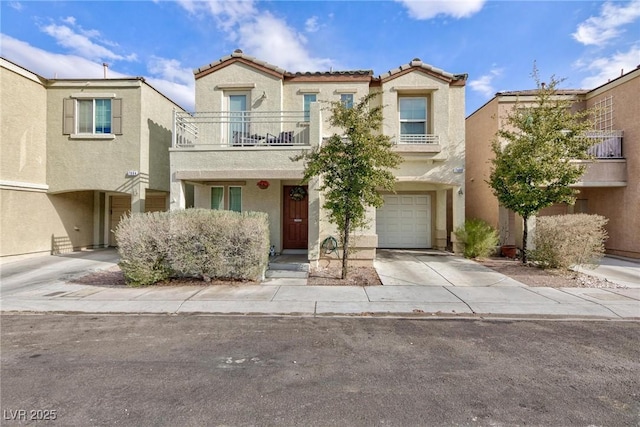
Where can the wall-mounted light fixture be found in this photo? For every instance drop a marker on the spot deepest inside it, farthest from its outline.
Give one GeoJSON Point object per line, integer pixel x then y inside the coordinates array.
{"type": "Point", "coordinates": [460, 192]}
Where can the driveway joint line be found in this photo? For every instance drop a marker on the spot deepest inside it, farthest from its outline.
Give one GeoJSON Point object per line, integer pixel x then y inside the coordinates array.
{"type": "Point", "coordinates": [432, 269]}
{"type": "Point", "coordinates": [592, 302]}
{"type": "Point", "coordinates": [463, 301]}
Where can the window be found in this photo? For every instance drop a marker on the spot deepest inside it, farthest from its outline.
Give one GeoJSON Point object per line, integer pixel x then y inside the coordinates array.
{"type": "Point", "coordinates": [235, 199]}
{"type": "Point", "coordinates": [94, 116]}
{"type": "Point", "coordinates": [85, 116]}
{"type": "Point", "coordinates": [347, 99]}
{"type": "Point", "coordinates": [413, 118]}
{"type": "Point", "coordinates": [217, 198]}
{"type": "Point", "coordinates": [308, 99]}
{"type": "Point", "coordinates": [218, 201]}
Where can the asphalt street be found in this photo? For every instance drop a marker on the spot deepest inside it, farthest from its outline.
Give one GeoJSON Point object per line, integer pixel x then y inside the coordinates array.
{"type": "Point", "coordinates": [139, 370]}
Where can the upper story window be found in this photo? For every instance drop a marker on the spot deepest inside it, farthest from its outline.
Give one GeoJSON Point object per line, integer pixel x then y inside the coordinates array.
{"type": "Point", "coordinates": [92, 116]}
{"type": "Point", "coordinates": [347, 99]}
{"type": "Point", "coordinates": [308, 99]}
{"type": "Point", "coordinates": [413, 117]}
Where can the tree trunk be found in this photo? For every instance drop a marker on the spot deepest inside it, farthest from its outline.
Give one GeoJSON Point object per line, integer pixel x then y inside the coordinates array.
{"type": "Point", "coordinates": [345, 246]}
{"type": "Point", "coordinates": [525, 232]}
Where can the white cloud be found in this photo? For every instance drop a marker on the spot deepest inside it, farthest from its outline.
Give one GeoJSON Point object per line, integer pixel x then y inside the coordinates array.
{"type": "Point", "coordinates": [170, 70]}
{"type": "Point", "coordinates": [167, 76]}
{"type": "Point", "coordinates": [16, 5]}
{"type": "Point", "coordinates": [427, 9]}
{"type": "Point", "coordinates": [270, 39]}
{"type": "Point", "coordinates": [84, 43]}
{"type": "Point", "coordinates": [483, 84]}
{"type": "Point", "coordinates": [311, 25]}
{"type": "Point", "coordinates": [599, 30]}
{"type": "Point", "coordinates": [608, 68]}
{"type": "Point", "coordinates": [259, 33]}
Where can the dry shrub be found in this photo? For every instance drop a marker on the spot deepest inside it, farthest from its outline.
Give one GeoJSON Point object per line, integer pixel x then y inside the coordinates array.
{"type": "Point", "coordinates": [193, 243]}
{"type": "Point", "coordinates": [563, 241]}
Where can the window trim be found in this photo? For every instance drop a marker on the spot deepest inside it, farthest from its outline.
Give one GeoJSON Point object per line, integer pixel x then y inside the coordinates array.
{"type": "Point", "coordinates": [71, 115]}
{"type": "Point", "coordinates": [226, 197]}
{"type": "Point", "coordinates": [426, 120]}
{"type": "Point", "coordinates": [307, 112]}
{"type": "Point", "coordinates": [348, 104]}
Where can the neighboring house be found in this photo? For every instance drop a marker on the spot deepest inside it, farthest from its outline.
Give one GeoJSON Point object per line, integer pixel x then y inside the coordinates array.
{"type": "Point", "coordinates": [75, 156]}
{"type": "Point", "coordinates": [234, 152]}
{"type": "Point", "coordinates": [610, 185]}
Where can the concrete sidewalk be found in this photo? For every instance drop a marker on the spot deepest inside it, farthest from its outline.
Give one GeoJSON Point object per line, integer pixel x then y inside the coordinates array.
{"type": "Point", "coordinates": [415, 284]}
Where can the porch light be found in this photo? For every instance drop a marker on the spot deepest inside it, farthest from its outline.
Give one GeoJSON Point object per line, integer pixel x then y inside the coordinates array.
{"type": "Point", "coordinates": [263, 185]}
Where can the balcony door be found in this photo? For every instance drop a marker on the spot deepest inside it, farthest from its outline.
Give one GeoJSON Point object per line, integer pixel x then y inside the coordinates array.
{"type": "Point", "coordinates": [238, 118]}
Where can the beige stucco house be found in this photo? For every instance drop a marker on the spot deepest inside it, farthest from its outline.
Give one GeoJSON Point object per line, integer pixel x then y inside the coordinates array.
{"type": "Point", "coordinates": [76, 155]}
{"type": "Point", "coordinates": [611, 183]}
{"type": "Point", "coordinates": [234, 152]}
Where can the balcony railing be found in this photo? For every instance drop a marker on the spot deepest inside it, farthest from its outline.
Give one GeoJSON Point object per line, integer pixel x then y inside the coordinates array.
{"type": "Point", "coordinates": [607, 144]}
{"type": "Point", "coordinates": [418, 139]}
{"type": "Point", "coordinates": [240, 129]}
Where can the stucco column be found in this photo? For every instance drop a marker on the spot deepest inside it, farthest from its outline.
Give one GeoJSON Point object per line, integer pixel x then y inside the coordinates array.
{"type": "Point", "coordinates": [176, 197]}
{"type": "Point", "coordinates": [314, 197]}
{"type": "Point", "coordinates": [457, 202]}
{"type": "Point", "coordinates": [441, 220]}
{"type": "Point", "coordinates": [138, 197]}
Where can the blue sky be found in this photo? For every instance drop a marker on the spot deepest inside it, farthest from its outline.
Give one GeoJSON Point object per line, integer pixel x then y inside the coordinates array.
{"type": "Point", "coordinates": [495, 42]}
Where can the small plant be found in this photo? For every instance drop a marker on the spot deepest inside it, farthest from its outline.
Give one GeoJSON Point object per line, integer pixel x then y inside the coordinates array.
{"type": "Point", "coordinates": [479, 238]}
{"type": "Point", "coordinates": [563, 241]}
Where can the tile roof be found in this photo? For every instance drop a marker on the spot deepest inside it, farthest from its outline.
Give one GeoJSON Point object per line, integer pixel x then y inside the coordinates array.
{"type": "Point", "coordinates": [415, 63]}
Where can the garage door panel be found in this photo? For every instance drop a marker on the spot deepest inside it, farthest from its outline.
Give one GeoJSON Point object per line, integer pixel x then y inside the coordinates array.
{"type": "Point", "coordinates": [404, 221]}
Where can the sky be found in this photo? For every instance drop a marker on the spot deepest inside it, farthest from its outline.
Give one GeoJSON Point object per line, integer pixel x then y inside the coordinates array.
{"type": "Point", "coordinates": [497, 43]}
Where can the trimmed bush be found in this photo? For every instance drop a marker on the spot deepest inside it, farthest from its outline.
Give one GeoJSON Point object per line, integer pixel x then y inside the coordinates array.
{"type": "Point", "coordinates": [563, 241]}
{"type": "Point", "coordinates": [193, 243]}
{"type": "Point", "coordinates": [479, 238]}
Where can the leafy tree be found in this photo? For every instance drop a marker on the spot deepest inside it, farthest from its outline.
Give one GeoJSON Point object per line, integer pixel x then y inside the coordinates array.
{"type": "Point", "coordinates": [533, 168]}
{"type": "Point", "coordinates": [352, 167]}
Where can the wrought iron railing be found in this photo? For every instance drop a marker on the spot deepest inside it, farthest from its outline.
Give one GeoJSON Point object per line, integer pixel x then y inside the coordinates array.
{"type": "Point", "coordinates": [607, 144]}
{"type": "Point", "coordinates": [240, 129]}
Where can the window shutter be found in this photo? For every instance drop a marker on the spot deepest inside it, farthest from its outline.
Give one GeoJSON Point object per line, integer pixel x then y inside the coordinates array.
{"type": "Point", "coordinates": [116, 116]}
{"type": "Point", "coordinates": [68, 116]}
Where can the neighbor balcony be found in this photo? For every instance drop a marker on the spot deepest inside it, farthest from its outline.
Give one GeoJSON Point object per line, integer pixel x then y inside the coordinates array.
{"type": "Point", "coordinates": [607, 144]}
{"type": "Point", "coordinates": [609, 169]}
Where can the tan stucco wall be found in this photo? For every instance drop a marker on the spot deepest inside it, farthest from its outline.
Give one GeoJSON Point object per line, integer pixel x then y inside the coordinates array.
{"type": "Point", "coordinates": [621, 205]}
{"type": "Point", "coordinates": [77, 164]}
{"type": "Point", "coordinates": [29, 220]}
{"type": "Point", "coordinates": [23, 125]}
{"type": "Point", "coordinates": [481, 128]}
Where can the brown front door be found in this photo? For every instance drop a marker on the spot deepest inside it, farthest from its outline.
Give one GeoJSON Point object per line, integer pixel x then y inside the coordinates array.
{"type": "Point", "coordinates": [296, 219]}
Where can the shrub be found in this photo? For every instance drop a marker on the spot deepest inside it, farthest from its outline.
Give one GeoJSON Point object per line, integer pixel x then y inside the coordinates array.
{"type": "Point", "coordinates": [143, 245]}
{"type": "Point", "coordinates": [563, 241]}
{"type": "Point", "coordinates": [479, 238]}
{"type": "Point", "coordinates": [193, 243]}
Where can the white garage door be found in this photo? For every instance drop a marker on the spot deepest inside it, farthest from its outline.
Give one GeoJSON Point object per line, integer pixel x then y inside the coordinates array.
{"type": "Point", "coordinates": [404, 221]}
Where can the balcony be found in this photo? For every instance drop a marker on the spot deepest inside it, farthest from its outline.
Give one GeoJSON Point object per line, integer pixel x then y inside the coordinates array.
{"type": "Point", "coordinates": [607, 144]}
{"type": "Point", "coordinates": [418, 144]}
{"type": "Point", "coordinates": [229, 130]}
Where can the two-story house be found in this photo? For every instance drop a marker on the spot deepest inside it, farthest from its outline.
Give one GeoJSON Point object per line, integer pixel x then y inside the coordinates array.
{"type": "Point", "coordinates": [610, 185]}
{"type": "Point", "coordinates": [76, 154]}
{"type": "Point", "coordinates": [234, 152]}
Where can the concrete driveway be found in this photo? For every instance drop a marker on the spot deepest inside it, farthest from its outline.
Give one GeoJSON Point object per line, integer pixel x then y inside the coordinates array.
{"type": "Point", "coordinates": [403, 267]}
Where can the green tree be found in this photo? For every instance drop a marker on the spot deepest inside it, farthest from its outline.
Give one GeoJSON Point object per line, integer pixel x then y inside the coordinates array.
{"type": "Point", "coordinates": [534, 151]}
{"type": "Point", "coordinates": [352, 167]}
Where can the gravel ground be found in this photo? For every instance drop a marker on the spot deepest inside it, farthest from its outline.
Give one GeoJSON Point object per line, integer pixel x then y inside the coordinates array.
{"type": "Point", "coordinates": [367, 276]}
